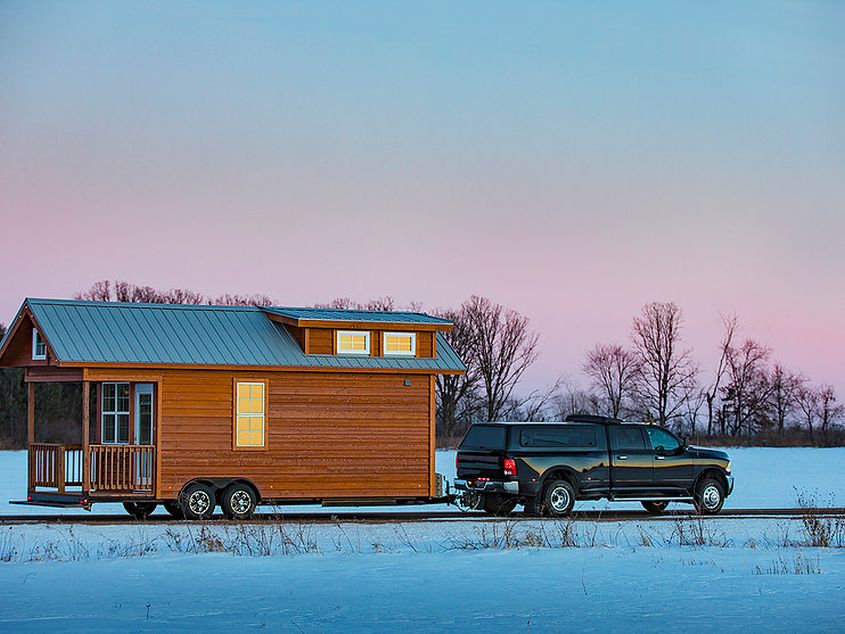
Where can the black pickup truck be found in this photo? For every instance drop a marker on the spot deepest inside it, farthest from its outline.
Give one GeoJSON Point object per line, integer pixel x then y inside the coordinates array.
{"type": "Point", "coordinates": [548, 466]}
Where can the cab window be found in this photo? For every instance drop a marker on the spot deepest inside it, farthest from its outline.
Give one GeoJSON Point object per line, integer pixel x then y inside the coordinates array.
{"type": "Point", "coordinates": [627, 437]}
{"type": "Point", "coordinates": [662, 440]}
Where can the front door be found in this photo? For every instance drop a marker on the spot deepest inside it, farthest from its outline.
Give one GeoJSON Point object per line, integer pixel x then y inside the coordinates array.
{"type": "Point", "coordinates": [143, 413]}
{"type": "Point", "coordinates": [631, 459]}
{"type": "Point", "coordinates": [672, 464]}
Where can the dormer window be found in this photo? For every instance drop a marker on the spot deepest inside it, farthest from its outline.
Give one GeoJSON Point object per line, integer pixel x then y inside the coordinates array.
{"type": "Point", "coordinates": [353, 342]}
{"type": "Point", "coordinates": [39, 348]}
{"type": "Point", "coordinates": [400, 344]}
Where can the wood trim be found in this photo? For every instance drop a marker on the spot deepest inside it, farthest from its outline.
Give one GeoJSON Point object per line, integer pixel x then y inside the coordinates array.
{"type": "Point", "coordinates": [157, 420]}
{"type": "Point", "coordinates": [334, 342]}
{"type": "Point", "coordinates": [43, 374]}
{"type": "Point", "coordinates": [357, 325]}
{"type": "Point", "coordinates": [432, 422]}
{"type": "Point", "coordinates": [245, 368]}
{"type": "Point", "coordinates": [86, 440]}
{"type": "Point", "coordinates": [235, 381]}
{"type": "Point", "coordinates": [306, 340]}
{"type": "Point", "coordinates": [131, 414]}
{"type": "Point", "coordinates": [30, 434]}
{"type": "Point", "coordinates": [98, 421]}
{"type": "Point", "coordinates": [434, 346]}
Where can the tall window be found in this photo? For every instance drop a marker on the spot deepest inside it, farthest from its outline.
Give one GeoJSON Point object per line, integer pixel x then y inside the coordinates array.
{"type": "Point", "coordinates": [400, 344]}
{"type": "Point", "coordinates": [249, 419]}
{"type": "Point", "coordinates": [115, 413]}
{"type": "Point", "coordinates": [353, 342]}
{"type": "Point", "coordinates": [39, 348]}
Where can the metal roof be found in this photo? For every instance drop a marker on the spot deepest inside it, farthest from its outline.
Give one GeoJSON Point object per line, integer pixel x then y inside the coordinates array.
{"type": "Point", "coordinates": [113, 332]}
{"type": "Point", "coordinates": [338, 314]}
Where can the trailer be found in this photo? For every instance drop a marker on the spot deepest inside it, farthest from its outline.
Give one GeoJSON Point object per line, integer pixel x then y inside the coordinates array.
{"type": "Point", "coordinates": [193, 406]}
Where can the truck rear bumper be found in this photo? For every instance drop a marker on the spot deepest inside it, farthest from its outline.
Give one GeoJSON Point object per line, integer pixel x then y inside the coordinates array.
{"type": "Point", "coordinates": [488, 486]}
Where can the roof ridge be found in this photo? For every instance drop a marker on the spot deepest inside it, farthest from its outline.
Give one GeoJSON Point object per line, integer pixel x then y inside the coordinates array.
{"type": "Point", "coordinates": [102, 304]}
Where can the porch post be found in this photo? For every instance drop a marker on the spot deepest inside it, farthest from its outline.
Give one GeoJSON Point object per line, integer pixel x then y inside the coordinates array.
{"type": "Point", "coordinates": [30, 435]}
{"type": "Point", "coordinates": [86, 445]}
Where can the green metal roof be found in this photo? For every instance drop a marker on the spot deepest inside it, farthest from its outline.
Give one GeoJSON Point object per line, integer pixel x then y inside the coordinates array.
{"type": "Point", "coordinates": [339, 314]}
{"type": "Point", "coordinates": [113, 332]}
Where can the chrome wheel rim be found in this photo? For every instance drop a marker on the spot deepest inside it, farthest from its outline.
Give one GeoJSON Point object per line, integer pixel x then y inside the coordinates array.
{"type": "Point", "coordinates": [559, 499]}
{"type": "Point", "coordinates": [199, 502]}
{"type": "Point", "coordinates": [711, 497]}
{"type": "Point", "coordinates": [241, 502]}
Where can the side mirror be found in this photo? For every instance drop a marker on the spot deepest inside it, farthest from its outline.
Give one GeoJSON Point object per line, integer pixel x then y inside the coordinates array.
{"type": "Point", "coordinates": [684, 442]}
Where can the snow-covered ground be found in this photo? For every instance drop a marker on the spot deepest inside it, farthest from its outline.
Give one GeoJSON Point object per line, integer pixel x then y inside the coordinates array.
{"type": "Point", "coordinates": [765, 478]}
{"type": "Point", "coordinates": [471, 575]}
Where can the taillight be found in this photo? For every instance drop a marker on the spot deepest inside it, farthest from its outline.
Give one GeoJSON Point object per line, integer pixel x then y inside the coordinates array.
{"type": "Point", "coordinates": [510, 466]}
{"type": "Point", "coordinates": [456, 462]}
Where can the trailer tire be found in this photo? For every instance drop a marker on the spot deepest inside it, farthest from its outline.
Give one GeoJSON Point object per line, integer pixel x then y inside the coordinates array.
{"type": "Point", "coordinates": [140, 510]}
{"type": "Point", "coordinates": [173, 508]}
{"type": "Point", "coordinates": [238, 501]}
{"type": "Point", "coordinates": [197, 501]}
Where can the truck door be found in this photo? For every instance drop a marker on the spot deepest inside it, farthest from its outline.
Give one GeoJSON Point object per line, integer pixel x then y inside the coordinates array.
{"type": "Point", "coordinates": [672, 464]}
{"type": "Point", "coordinates": [631, 458]}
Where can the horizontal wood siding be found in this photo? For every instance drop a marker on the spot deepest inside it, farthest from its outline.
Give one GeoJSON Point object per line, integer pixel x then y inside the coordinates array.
{"type": "Point", "coordinates": [424, 344]}
{"type": "Point", "coordinates": [298, 334]}
{"type": "Point", "coordinates": [321, 341]}
{"type": "Point", "coordinates": [328, 435]}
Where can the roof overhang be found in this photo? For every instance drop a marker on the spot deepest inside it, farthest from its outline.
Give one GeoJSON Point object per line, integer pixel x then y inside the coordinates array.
{"type": "Point", "coordinates": [359, 324]}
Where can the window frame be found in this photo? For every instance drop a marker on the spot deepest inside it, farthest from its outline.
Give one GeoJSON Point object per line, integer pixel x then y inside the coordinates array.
{"type": "Point", "coordinates": [361, 353]}
{"type": "Point", "coordinates": [36, 340]}
{"type": "Point", "coordinates": [236, 383]}
{"type": "Point", "coordinates": [646, 445]}
{"type": "Point", "coordinates": [412, 353]}
{"type": "Point", "coordinates": [116, 412]}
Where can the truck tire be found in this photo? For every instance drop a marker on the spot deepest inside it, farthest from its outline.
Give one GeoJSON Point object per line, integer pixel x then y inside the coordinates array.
{"type": "Point", "coordinates": [709, 496]}
{"type": "Point", "coordinates": [498, 505]}
{"type": "Point", "coordinates": [655, 508]}
{"type": "Point", "coordinates": [558, 498]}
{"type": "Point", "coordinates": [238, 501]}
{"type": "Point", "coordinates": [197, 501]}
{"type": "Point", "coordinates": [140, 510]}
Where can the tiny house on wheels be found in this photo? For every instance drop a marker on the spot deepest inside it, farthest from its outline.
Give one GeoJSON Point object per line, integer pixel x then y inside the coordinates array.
{"type": "Point", "coordinates": [192, 406]}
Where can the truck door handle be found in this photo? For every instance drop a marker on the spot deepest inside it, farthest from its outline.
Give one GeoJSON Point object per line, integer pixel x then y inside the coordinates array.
{"type": "Point", "coordinates": [660, 457]}
{"type": "Point", "coordinates": [621, 457]}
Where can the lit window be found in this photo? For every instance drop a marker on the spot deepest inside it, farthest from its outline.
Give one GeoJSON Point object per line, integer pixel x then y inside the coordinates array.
{"type": "Point", "coordinates": [400, 344]}
{"type": "Point", "coordinates": [39, 348]}
{"type": "Point", "coordinates": [353, 342]}
{"type": "Point", "coordinates": [250, 415]}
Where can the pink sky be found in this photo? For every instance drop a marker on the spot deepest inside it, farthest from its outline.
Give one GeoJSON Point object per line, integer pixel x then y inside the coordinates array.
{"type": "Point", "coordinates": [560, 163]}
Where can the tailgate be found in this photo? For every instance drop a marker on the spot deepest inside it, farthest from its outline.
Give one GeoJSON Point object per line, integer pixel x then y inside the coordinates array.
{"type": "Point", "coordinates": [473, 465]}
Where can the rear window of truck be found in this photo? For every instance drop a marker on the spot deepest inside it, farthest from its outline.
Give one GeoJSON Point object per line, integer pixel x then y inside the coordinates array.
{"type": "Point", "coordinates": [484, 437]}
{"type": "Point", "coordinates": [572, 437]}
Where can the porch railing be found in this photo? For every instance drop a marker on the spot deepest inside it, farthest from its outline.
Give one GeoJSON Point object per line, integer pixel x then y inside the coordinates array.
{"type": "Point", "coordinates": [113, 468]}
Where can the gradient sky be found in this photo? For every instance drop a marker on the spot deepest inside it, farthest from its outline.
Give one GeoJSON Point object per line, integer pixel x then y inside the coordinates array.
{"type": "Point", "coordinates": [573, 161]}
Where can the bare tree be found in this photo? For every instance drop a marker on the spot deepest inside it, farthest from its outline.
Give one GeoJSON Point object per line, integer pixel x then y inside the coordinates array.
{"type": "Point", "coordinates": [747, 392]}
{"type": "Point", "coordinates": [666, 374]}
{"type": "Point", "coordinates": [386, 303]}
{"type": "Point", "coordinates": [829, 411]}
{"type": "Point", "coordinates": [613, 371]}
{"type": "Point", "coordinates": [456, 393]}
{"type": "Point", "coordinates": [784, 388]}
{"type": "Point", "coordinates": [504, 347]}
{"type": "Point", "coordinates": [241, 300]}
{"type": "Point", "coordinates": [2, 329]}
{"type": "Point", "coordinates": [808, 403]}
{"type": "Point", "coordinates": [571, 399]}
{"type": "Point", "coordinates": [730, 324]}
{"type": "Point", "coordinates": [119, 291]}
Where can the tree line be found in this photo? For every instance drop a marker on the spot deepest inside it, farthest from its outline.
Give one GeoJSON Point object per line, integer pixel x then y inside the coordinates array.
{"type": "Point", "coordinates": [748, 397]}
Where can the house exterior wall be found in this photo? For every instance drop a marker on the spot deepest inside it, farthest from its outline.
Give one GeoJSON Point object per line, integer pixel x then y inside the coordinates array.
{"type": "Point", "coordinates": [327, 434]}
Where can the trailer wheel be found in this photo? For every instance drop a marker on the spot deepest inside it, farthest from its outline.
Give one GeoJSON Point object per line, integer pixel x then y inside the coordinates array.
{"type": "Point", "coordinates": [173, 508]}
{"type": "Point", "coordinates": [140, 510]}
{"type": "Point", "coordinates": [238, 501]}
{"type": "Point", "coordinates": [655, 508]}
{"type": "Point", "coordinates": [197, 501]}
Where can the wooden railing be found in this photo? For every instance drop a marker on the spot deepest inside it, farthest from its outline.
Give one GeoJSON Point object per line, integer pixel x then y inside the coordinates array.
{"type": "Point", "coordinates": [55, 466]}
{"type": "Point", "coordinates": [113, 468]}
{"type": "Point", "coordinates": [122, 468]}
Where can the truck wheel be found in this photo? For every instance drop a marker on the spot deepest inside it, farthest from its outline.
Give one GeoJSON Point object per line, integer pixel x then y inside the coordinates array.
{"type": "Point", "coordinates": [498, 505]}
{"type": "Point", "coordinates": [140, 510]}
{"type": "Point", "coordinates": [655, 508]}
{"type": "Point", "coordinates": [238, 501]}
{"type": "Point", "coordinates": [197, 501]}
{"type": "Point", "coordinates": [709, 496]}
{"type": "Point", "coordinates": [558, 498]}
{"type": "Point", "coordinates": [173, 508]}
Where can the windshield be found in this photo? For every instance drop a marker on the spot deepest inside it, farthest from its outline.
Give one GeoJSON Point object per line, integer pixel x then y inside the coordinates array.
{"type": "Point", "coordinates": [484, 437]}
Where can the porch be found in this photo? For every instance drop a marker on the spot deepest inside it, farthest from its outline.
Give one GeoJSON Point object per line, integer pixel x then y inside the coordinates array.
{"type": "Point", "coordinates": [115, 454]}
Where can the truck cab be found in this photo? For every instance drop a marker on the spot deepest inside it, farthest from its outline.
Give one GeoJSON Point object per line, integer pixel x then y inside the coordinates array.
{"type": "Point", "coordinates": [548, 466]}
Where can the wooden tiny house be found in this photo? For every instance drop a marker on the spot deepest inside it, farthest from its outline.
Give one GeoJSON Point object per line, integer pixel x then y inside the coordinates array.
{"type": "Point", "coordinates": [289, 404]}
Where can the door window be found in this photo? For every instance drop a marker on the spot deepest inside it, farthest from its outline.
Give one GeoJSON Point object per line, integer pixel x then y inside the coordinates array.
{"type": "Point", "coordinates": [627, 437]}
{"type": "Point", "coordinates": [143, 414]}
{"type": "Point", "coordinates": [662, 440]}
{"type": "Point", "coordinates": [115, 413]}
